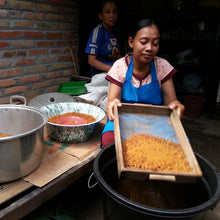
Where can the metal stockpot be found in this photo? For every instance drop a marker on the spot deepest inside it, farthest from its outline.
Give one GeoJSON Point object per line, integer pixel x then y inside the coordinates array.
{"type": "Point", "coordinates": [21, 153]}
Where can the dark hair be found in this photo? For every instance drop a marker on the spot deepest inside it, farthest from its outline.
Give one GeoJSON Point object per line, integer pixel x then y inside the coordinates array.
{"type": "Point", "coordinates": [139, 25]}
{"type": "Point", "coordinates": [102, 4]}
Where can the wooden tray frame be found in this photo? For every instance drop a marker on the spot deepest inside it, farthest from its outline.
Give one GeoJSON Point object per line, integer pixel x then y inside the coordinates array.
{"type": "Point", "coordinates": [140, 174]}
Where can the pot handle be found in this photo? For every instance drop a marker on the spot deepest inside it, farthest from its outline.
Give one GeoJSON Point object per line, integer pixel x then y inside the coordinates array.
{"type": "Point", "coordinates": [89, 181]}
{"type": "Point", "coordinates": [16, 99]}
{"type": "Point", "coordinates": [162, 177]}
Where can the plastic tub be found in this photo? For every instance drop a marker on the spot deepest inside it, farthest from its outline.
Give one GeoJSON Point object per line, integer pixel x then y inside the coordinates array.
{"type": "Point", "coordinates": [72, 88]}
{"type": "Point", "coordinates": [194, 105]}
{"type": "Point", "coordinates": [192, 200]}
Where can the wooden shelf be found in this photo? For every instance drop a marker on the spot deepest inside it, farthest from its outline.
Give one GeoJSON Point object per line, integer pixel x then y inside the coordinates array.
{"type": "Point", "coordinates": [188, 36]}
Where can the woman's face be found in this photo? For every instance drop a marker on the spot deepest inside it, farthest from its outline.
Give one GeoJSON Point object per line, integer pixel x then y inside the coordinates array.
{"type": "Point", "coordinates": [145, 44]}
{"type": "Point", "coordinates": [109, 15]}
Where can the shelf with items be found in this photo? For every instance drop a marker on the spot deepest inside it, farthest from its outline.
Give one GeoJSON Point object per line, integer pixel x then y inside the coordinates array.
{"type": "Point", "coordinates": [191, 66]}
{"type": "Point", "coordinates": [190, 39]}
{"type": "Point", "coordinates": [192, 23]}
{"type": "Point", "coordinates": [182, 35]}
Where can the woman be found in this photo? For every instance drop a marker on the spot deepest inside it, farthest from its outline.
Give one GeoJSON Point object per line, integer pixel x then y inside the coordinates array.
{"type": "Point", "coordinates": [103, 44]}
{"type": "Point", "coordinates": [141, 77]}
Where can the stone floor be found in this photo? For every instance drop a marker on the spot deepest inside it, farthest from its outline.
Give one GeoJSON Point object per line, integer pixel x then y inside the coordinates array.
{"type": "Point", "coordinates": [81, 203]}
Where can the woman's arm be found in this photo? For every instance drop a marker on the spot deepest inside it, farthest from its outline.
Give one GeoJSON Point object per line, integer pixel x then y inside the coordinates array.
{"type": "Point", "coordinates": [114, 96]}
{"type": "Point", "coordinates": [170, 99]}
{"type": "Point", "coordinates": [93, 61]}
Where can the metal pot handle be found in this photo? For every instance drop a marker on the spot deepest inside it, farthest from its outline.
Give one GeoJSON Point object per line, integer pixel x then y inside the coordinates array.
{"type": "Point", "coordinates": [89, 180]}
{"type": "Point", "coordinates": [18, 97]}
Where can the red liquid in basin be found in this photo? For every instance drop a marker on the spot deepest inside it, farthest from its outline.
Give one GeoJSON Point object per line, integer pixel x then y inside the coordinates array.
{"type": "Point", "coordinates": [70, 120]}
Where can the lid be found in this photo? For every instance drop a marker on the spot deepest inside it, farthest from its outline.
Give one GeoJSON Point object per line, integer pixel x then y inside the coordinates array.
{"type": "Point", "coordinates": [50, 98]}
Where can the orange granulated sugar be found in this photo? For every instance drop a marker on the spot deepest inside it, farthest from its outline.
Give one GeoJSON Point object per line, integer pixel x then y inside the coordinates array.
{"type": "Point", "coordinates": [4, 135]}
{"type": "Point", "coordinates": [88, 118]}
{"type": "Point", "coordinates": [143, 151]}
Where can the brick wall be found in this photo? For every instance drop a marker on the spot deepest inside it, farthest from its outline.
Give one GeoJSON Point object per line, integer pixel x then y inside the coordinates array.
{"type": "Point", "coordinates": [35, 41]}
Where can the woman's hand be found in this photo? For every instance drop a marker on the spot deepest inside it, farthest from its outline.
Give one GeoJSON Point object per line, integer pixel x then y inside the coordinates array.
{"type": "Point", "coordinates": [110, 108]}
{"type": "Point", "coordinates": [178, 107]}
{"type": "Point", "coordinates": [170, 98]}
{"type": "Point", "coordinates": [114, 97]}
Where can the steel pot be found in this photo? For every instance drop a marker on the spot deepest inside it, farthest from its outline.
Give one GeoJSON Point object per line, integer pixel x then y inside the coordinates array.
{"type": "Point", "coordinates": [21, 153]}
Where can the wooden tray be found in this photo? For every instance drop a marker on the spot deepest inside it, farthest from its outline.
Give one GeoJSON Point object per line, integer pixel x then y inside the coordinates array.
{"type": "Point", "coordinates": [157, 121]}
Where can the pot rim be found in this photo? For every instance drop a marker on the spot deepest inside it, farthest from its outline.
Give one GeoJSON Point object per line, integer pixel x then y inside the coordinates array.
{"type": "Point", "coordinates": [74, 126]}
{"type": "Point", "coordinates": [25, 107]}
{"type": "Point", "coordinates": [157, 212]}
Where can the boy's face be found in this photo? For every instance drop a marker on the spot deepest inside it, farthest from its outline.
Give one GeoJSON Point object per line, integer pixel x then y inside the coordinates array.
{"type": "Point", "coordinates": [109, 15]}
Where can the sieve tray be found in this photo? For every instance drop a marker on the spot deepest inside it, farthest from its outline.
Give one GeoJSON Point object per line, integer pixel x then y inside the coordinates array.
{"type": "Point", "coordinates": [157, 121]}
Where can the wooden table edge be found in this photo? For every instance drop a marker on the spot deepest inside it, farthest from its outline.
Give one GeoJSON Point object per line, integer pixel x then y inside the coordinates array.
{"type": "Point", "coordinates": [39, 196]}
